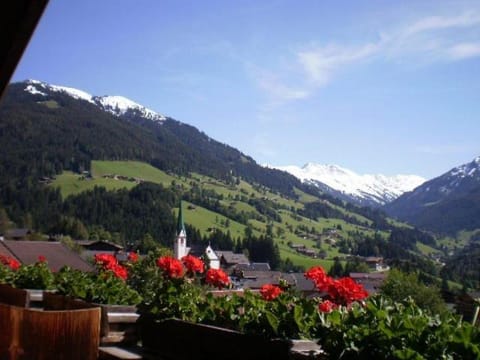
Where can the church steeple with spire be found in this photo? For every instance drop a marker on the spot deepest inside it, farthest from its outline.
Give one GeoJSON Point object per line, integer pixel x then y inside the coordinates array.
{"type": "Point", "coordinates": [180, 246]}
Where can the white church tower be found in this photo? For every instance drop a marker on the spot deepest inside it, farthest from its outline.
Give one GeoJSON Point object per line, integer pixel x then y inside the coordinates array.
{"type": "Point", "coordinates": [180, 246]}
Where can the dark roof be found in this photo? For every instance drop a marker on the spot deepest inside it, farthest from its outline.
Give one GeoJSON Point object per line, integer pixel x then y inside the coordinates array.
{"type": "Point", "coordinates": [17, 233]}
{"type": "Point", "coordinates": [57, 254]}
{"type": "Point", "coordinates": [5, 251]}
{"type": "Point", "coordinates": [266, 277]}
{"type": "Point", "coordinates": [232, 258]}
{"type": "Point", "coordinates": [257, 279]}
{"type": "Point", "coordinates": [370, 281]}
{"type": "Point", "coordinates": [254, 274]}
{"type": "Point", "coordinates": [303, 284]}
{"type": "Point", "coordinates": [19, 19]}
{"type": "Point", "coordinates": [375, 275]}
{"type": "Point", "coordinates": [99, 243]}
{"type": "Point", "coordinates": [253, 267]}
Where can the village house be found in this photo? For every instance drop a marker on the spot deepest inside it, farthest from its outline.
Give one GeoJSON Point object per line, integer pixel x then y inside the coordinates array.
{"type": "Point", "coordinates": [370, 281]}
{"type": "Point", "coordinates": [17, 234]}
{"type": "Point", "coordinates": [56, 254]}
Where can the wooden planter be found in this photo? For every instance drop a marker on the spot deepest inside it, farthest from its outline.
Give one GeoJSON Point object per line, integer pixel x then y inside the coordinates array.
{"type": "Point", "coordinates": [117, 324]}
{"type": "Point", "coordinates": [20, 297]}
{"type": "Point", "coordinates": [39, 335]}
{"type": "Point", "coordinates": [176, 339]}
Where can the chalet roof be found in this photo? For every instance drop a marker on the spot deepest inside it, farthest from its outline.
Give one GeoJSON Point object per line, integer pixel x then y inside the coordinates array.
{"type": "Point", "coordinates": [253, 267]}
{"type": "Point", "coordinates": [256, 274]}
{"type": "Point", "coordinates": [303, 284]}
{"type": "Point", "coordinates": [232, 258]}
{"type": "Point", "coordinates": [370, 281]}
{"type": "Point", "coordinates": [5, 251]}
{"type": "Point", "coordinates": [374, 275]}
{"type": "Point", "coordinates": [91, 243]}
{"type": "Point", "coordinates": [256, 279]}
{"type": "Point", "coordinates": [17, 233]}
{"type": "Point", "coordinates": [57, 254]}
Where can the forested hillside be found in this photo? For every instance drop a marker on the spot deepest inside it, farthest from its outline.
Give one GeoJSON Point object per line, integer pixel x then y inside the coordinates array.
{"type": "Point", "coordinates": [234, 201]}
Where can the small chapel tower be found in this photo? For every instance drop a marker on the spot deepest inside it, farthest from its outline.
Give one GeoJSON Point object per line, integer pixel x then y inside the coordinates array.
{"type": "Point", "coordinates": [180, 245]}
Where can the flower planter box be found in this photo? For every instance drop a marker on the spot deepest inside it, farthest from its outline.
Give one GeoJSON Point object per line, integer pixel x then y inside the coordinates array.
{"type": "Point", "coordinates": [176, 339]}
{"type": "Point", "coordinates": [21, 297]}
{"type": "Point", "coordinates": [36, 334]}
{"type": "Point", "coordinates": [13, 296]}
{"type": "Point", "coordinates": [117, 324]}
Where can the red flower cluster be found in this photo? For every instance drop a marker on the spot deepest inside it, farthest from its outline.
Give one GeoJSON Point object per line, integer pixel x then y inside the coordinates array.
{"type": "Point", "coordinates": [217, 278]}
{"type": "Point", "coordinates": [110, 263]}
{"type": "Point", "coordinates": [132, 257]}
{"type": "Point", "coordinates": [42, 259]}
{"type": "Point", "coordinates": [270, 292]}
{"type": "Point", "coordinates": [171, 266]}
{"type": "Point", "coordinates": [319, 278]}
{"type": "Point", "coordinates": [327, 306]}
{"type": "Point", "coordinates": [343, 291]}
{"type": "Point", "coordinates": [9, 261]}
{"type": "Point", "coordinates": [193, 264]}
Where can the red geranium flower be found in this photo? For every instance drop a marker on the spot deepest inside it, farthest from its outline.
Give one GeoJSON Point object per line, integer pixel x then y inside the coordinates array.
{"type": "Point", "coordinates": [105, 260]}
{"type": "Point", "coordinates": [9, 261]}
{"type": "Point", "coordinates": [217, 278]}
{"type": "Point", "coordinates": [171, 266]}
{"type": "Point", "coordinates": [346, 291]}
{"type": "Point", "coordinates": [343, 291]}
{"type": "Point", "coordinates": [132, 257]}
{"type": "Point", "coordinates": [119, 271]}
{"type": "Point", "coordinates": [42, 259]}
{"type": "Point", "coordinates": [327, 306]}
{"type": "Point", "coordinates": [193, 264]}
{"type": "Point", "coordinates": [270, 292]}
{"type": "Point", "coordinates": [319, 277]}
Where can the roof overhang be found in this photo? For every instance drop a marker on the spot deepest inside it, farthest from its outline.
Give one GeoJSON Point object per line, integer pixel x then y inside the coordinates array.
{"type": "Point", "coordinates": [18, 19]}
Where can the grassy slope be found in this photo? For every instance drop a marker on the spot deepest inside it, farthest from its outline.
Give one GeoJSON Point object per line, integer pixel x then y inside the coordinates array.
{"type": "Point", "coordinates": [72, 184]}
{"type": "Point", "coordinates": [204, 219]}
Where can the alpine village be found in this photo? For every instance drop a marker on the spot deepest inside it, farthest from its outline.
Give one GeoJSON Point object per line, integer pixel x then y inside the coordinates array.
{"type": "Point", "coordinates": [126, 234]}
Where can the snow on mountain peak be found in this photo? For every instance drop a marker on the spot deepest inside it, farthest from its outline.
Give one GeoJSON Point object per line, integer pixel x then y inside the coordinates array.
{"type": "Point", "coordinates": [36, 87]}
{"type": "Point", "coordinates": [465, 170]}
{"type": "Point", "coordinates": [119, 105]}
{"type": "Point", "coordinates": [116, 105]}
{"type": "Point", "coordinates": [377, 188]}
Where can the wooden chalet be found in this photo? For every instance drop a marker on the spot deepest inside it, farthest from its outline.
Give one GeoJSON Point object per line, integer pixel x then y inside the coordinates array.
{"type": "Point", "coordinates": [56, 254]}
{"type": "Point", "coordinates": [370, 281]}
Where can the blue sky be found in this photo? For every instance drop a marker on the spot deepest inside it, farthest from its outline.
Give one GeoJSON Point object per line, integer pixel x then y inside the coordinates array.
{"type": "Point", "coordinates": [374, 86]}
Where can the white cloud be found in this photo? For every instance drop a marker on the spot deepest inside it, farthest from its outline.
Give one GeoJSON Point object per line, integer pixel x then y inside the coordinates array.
{"type": "Point", "coordinates": [429, 39]}
{"type": "Point", "coordinates": [321, 63]}
{"type": "Point", "coordinates": [465, 50]}
{"type": "Point", "coordinates": [432, 23]}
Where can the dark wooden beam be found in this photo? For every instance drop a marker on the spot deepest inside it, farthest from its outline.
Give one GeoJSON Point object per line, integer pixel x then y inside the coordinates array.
{"type": "Point", "coordinates": [18, 20]}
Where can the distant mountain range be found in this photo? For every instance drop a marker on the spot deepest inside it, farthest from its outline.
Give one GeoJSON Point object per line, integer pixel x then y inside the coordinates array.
{"type": "Point", "coordinates": [48, 128]}
{"type": "Point", "coordinates": [371, 190]}
{"type": "Point", "coordinates": [448, 203]}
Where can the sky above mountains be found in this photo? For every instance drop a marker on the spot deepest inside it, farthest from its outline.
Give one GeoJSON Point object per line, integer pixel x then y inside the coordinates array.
{"type": "Point", "coordinates": [376, 87]}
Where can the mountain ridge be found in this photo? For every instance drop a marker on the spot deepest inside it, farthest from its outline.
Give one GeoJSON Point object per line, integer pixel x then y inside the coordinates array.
{"type": "Point", "coordinates": [447, 203]}
{"type": "Point", "coordinates": [368, 189]}
{"type": "Point", "coordinates": [114, 104]}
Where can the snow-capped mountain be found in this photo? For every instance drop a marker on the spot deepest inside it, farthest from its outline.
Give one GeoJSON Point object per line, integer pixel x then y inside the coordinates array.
{"type": "Point", "coordinates": [116, 105]}
{"type": "Point", "coordinates": [446, 203]}
{"type": "Point", "coordinates": [373, 190]}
